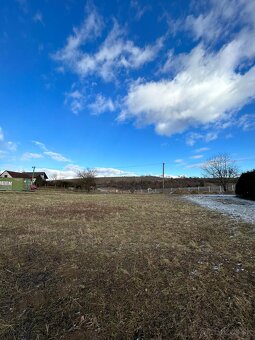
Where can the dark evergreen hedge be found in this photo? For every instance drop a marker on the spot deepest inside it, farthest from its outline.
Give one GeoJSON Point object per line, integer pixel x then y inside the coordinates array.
{"type": "Point", "coordinates": [245, 186]}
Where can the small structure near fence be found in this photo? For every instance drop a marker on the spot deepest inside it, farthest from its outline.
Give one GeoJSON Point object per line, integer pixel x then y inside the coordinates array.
{"type": "Point", "coordinates": [39, 178]}
{"type": "Point", "coordinates": [15, 184]}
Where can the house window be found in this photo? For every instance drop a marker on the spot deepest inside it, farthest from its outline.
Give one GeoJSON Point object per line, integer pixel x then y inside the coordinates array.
{"type": "Point", "coordinates": [5, 176]}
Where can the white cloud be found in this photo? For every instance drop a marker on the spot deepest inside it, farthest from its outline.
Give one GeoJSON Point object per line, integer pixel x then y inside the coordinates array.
{"type": "Point", "coordinates": [77, 101]}
{"type": "Point", "coordinates": [203, 88]}
{"type": "Point", "coordinates": [101, 104]}
{"type": "Point", "coordinates": [247, 122]}
{"type": "Point", "coordinates": [139, 10]}
{"type": "Point", "coordinates": [41, 145]}
{"type": "Point", "coordinates": [53, 155]}
{"type": "Point", "coordinates": [56, 156]}
{"type": "Point", "coordinates": [112, 172]}
{"type": "Point", "coordinates": [201, 149]}
{"type": "Point", "coordinates": [114, 54]}
{"type": "Point", "coordinates": [197, 156]}
{"type": "Point", "coordinates": [1, 134]}
{"type": "Point", "coordinates": [71, 170]}
{"type": "Point", "coordinates": [75, 94]}
{"type": "Point", "coordinates": [90, 29]}
{"type": "Point", "coordinates": [11, 146]}
{"type": "Point", "coordinates": [179, 160]}
{"type": "Point", "coordinates": [220, 18]}
{"type": "Point", "coordinates": [172, 176]}
{"type": "Point", "coordinates": [217, 22]}
{"type": "Point", "coordinates": [7, 145]}
{"type": "Point", "coordinates": [195, 165]}
{"type": "Point", "coordinates": [193, 137]}
{"type": "Point", "coordinates": [207, 89]}
{"type": "Point", "coordinates": [30, 155]}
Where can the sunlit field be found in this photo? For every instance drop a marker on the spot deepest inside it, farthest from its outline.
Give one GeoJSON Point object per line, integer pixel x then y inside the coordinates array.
{"type": "Point", "coordinates": [78, 266]}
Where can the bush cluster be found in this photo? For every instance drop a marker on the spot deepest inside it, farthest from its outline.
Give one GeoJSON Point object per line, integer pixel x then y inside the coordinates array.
{"type": "Point", "coordinates": [245, 186]}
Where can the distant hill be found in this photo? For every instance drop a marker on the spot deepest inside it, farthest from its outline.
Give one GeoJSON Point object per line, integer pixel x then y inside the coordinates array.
{"type": "Point", "coordinates": [139, 182]}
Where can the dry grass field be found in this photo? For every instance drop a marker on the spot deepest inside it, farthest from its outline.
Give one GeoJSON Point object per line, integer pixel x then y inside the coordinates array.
{"type": "Point", "coordinates": [77, 266]}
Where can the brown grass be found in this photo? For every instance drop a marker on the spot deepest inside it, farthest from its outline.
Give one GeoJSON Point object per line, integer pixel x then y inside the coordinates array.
{"type": "Point", "coordinates": [75, 266]}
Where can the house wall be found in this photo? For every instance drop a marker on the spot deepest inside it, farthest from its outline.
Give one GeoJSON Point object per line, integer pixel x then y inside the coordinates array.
{"type": "Point", "coordinates": [16, 184]}
{"type": "Point", "coordinates": [4, 174]}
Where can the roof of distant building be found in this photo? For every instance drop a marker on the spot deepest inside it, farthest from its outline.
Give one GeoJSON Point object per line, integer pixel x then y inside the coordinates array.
{"type": "Point", "coordinates": [15, 174]}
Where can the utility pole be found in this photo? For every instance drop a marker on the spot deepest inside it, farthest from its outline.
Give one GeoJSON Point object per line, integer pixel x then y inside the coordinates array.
{"type": "Point", "coordinates": [163, 178]}
{"type": "Point", "coordinates": [33, 167]}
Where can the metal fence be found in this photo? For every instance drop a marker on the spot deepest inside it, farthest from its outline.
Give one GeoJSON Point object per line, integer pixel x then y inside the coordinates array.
{"type": "Point", "coordinates": [214, 189]}
{"type": "Point", "coordinates": [201, 190]}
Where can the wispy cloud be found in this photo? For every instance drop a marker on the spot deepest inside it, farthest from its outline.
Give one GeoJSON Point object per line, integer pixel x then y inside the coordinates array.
{"type": "Point", "coordinates": [101, 104]}
{"type": "Point", "coordinates": [193, 137]}
{"type": "Point", "coordinates": [1, 134]}
{"type": "Point", "coordinates": [197, 156]}
{"type": "Point", "coordinates": [7, 145]}
{"type": "Point", "coordinates": [90, 29]}
{"type": "Point", "coordinates": [114, 54]}
{"type": "Point", "coordinates": [139, 9]}
{"type": "Point", "coordinates": [12, 146]}
{"type": "Point", "coordinates": [76, 99]}
{"type": "Point", "coordinates": [195, 165]}
{"type": "Point", "coordinates": [56, 156]}
{"type": "Point", "coordinates": [41, 145]}
{"type": "Point", "coordinates": [30, 155]}
{"type": "Point", "coordinates": [179, 161]}
{"type": "Point", "coordinates": [53, 155]}
{"type": "Point", "coordinates": [247, 122]}
{"type": "Point", "coordinates": [201, 149]}
{"type": "Point", "coordinates": [218, 19]}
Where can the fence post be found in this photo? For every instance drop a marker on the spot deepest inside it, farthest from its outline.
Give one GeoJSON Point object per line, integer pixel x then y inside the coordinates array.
{"type": "Point", "coordinates": [209, 188]}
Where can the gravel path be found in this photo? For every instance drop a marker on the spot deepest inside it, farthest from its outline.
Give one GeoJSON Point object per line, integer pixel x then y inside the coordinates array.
{"type": "Point", "coordinates": [228, 204]}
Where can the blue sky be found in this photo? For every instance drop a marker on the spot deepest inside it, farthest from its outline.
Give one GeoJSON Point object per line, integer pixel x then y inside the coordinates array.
{"type": "Point", "coordinates": [123, 86]}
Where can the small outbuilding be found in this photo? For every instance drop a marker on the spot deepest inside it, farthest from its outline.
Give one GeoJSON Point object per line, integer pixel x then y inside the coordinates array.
{"type": "Point", "coordinates": [36, 176]}
{"type": "Point", "coordinates": [14, 181]}
{"type": "Point", "coordinates": [14, 174]}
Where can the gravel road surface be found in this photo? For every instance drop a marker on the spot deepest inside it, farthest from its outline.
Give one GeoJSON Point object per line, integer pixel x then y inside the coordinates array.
{"type": "Point", "coordinates": [228, 204]}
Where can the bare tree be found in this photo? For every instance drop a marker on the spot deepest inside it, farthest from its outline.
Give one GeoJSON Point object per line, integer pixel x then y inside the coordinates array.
{"type": "Point", "coordinates": [54, 178]}
{"type": "Point", "coordinates": [222, 168]}
{"type": "Point", "coordinates": [87, 179]}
